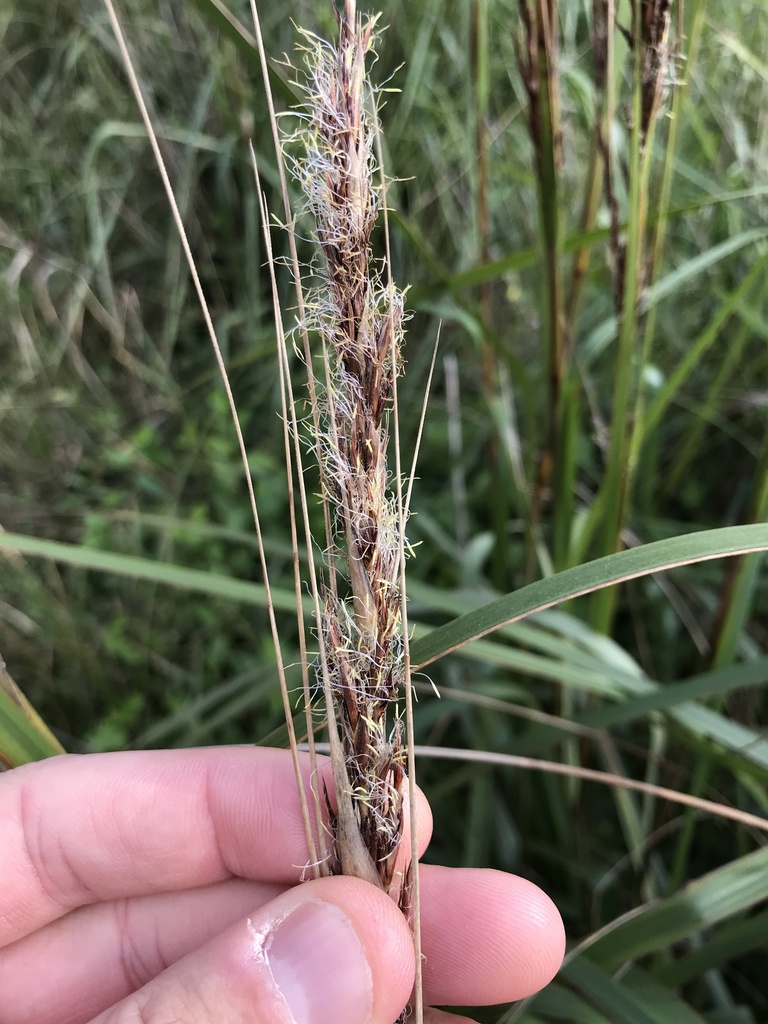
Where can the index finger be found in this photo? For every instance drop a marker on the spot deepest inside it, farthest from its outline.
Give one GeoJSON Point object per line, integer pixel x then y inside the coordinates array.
{"type": "Point", "coordinates": [76, 830]}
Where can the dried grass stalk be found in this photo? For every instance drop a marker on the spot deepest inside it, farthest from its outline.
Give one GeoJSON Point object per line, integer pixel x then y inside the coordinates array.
{"type": "Point", "coordinates": [653, 58]}
{"type": "Point", "coordinates": [656, 57]}
{"type": "Point", "coordinates": [358, 318]}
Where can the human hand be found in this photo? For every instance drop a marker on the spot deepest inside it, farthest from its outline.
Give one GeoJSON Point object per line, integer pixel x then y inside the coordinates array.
{"type": "Point", "coordinates": [160, 886]}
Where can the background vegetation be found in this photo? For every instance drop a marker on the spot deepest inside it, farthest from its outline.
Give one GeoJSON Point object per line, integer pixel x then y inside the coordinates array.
{"type": "Point", "coordinates": [115, 438]}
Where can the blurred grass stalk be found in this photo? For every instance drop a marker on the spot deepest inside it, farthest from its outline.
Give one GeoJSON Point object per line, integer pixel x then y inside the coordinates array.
{"type": "Point", "coordinates": [651, 57]}
{"type": "Point", "coordinates": [537, 58]}
{"type": "Point", "coordinates": [24, 736]}
{"type": "Point", "coordinates": [622, 183]}
{"type": "Point", "coordinates": [556, 477]}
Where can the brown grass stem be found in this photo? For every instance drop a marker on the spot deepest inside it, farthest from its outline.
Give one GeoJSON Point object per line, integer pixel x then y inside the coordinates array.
{"type": "Point", "coordinates": [537, 59]}
{"type": "Point", "coordinates": [358, 320]}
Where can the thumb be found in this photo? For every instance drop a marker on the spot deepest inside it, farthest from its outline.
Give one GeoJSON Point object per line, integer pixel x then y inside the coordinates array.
{"type": "Point", "coordinates": [329, 951]}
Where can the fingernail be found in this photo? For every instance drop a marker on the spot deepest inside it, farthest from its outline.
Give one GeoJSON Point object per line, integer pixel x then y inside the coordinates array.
{"type": "Point", "coordinates": [319, 967]}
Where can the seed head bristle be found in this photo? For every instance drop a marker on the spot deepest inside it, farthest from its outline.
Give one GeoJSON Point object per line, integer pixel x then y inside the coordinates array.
{"type": "Point", "coordinates": [359, 322]}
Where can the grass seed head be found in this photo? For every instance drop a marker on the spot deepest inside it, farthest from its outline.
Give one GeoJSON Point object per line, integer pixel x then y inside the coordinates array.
{"type": "Point", "coordinates": [358, 321]}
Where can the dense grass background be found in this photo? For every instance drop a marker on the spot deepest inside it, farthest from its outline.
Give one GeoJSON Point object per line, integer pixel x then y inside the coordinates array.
{"type": "Point", "coordinates": [114, 435]}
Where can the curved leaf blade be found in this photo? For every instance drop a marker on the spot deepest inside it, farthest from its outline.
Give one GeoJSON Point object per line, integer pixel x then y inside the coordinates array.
{"type": "Point", "coordinates": [732, 889]}
{"type": "Point", "coordinates": [616, 1000]}
{"type": "Point", "coordinates": [214, 584]}
{"type": "Point", "coordinates": [24, 736]}
{"type": "Point", "coordinates": [584, 579]}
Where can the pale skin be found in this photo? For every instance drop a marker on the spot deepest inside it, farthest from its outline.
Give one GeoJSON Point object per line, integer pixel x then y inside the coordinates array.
{"type": "Point", "coordinates": [164, 886]}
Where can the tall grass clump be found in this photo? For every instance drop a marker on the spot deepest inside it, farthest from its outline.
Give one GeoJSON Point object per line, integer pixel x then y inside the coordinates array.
{"type": "Point", "coordinates": [581, 204]}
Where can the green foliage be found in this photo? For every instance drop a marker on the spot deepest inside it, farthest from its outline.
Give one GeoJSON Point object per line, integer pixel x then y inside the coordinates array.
{"type": "Point", "coordinates": [143, 622]}
{"type": "Point", "coordinates": [23, 734]}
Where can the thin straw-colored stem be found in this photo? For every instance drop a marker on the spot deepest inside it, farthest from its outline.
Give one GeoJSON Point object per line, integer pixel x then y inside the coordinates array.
{"type": "Point", "coordinates": [418, 1008]}
{"type": "Point", "coordinates": [594, 775]}
{"type": "Point", "coordinates": [589, 775]}
{"type": "Point", "coordinates": [289, 428]}
{"type": "Point", "coordinates": [422, 418]}
{"type": "Point", "coordinates": [176, 213]}
{"type": "Point", "coordinates": [295, 265]}
{"type": "Point", "coordinates": [314, 405]}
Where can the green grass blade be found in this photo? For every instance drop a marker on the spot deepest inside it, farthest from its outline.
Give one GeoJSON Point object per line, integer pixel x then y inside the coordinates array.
{"type": "Point", "coordinates": [734, 888]}
{"type": "Point", "coordinates": [739, 591]}
{"type": "Point", "coordinates": [659, 699]}
{"type": "Point", "coordinates": [23, 734]}
{"type": "Point", "coordinates": [731, 941]}
{"type": "Point", "coordinates": [701, 721]}
{"type": "Point", "coordinates": [612, 997]}
{"type": "Point", "coordinates": [660, 997]}
{"type": "Point", "coordinates": [745, 55]}
{"type": "Point", "coordinates": [672, 282]}
{"type": "Point", "coordinates": [700, 345]}
{"type": "Point", "coordinates": [214, 584]}
{"type": "Point", "coordinates": [559, 1003]}
{"type": "Point", "coordinates": [584, 579]}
